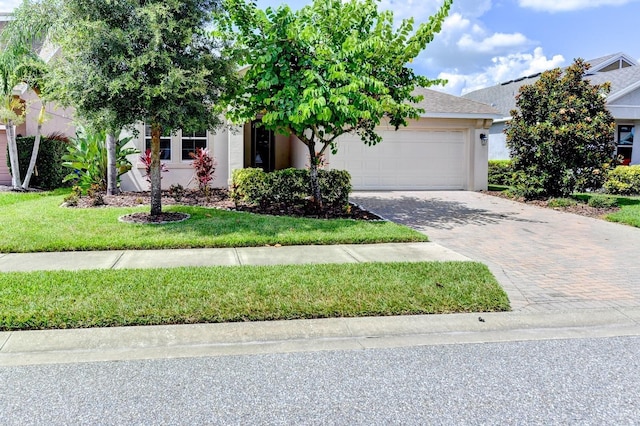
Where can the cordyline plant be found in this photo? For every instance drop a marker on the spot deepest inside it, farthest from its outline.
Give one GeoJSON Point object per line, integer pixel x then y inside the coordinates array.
{"type": "Point", "coordinates": [330, 68]}
{"type": "Point", "coordinates": [204, 166]}
{"type": "Point", "coordinates": [146, 161]}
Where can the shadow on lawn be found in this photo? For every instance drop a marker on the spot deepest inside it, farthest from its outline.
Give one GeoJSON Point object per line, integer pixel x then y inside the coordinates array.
{"type": "Point", "coordinates": [257, 227]}
{"type": "Point", "coordinates": [434, 213]}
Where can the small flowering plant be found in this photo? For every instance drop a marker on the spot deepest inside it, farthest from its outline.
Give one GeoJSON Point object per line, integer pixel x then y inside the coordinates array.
{"type": "Point", "coordinates": [145, 159]}
{"type": "Point", "coordinates": [204, 166]}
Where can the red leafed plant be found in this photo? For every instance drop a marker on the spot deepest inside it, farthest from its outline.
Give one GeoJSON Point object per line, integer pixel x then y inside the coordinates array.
{"type": "Point", "coordinates": [145, 159]}
{"type": "Point", "coordinates": [204, 166]}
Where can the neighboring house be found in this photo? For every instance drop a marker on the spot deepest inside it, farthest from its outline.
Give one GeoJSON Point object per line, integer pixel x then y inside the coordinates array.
{"type": "Point", "coordinates": [622, 71]}
{"type": "Point", "coordinates": [441, 150]}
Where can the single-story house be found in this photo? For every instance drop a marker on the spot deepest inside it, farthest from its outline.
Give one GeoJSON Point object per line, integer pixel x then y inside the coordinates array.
{"type": "Point", "coordinates": [444, 149]}
{"type": "Point", "coordinates": [441, 150]}
{"type": "Point", "coordinates": [621, 70]}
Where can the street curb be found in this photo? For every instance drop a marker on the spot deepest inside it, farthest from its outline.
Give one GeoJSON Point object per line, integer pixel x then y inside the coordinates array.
{"type": "Point", "coordinates": [207, 340]}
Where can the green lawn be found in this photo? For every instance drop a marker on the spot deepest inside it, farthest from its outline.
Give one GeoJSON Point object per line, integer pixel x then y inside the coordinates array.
{"type": "Point", "coordinates": [629, 212]}
{"type": "Point", "coordinates": [63, 299]}
{"type": "Point", "coordinates": [35, 222]}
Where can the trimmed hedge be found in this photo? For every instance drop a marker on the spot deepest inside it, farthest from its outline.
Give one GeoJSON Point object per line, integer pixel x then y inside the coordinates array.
{"type": "Point", "coordinates": [623, 180]}
{"type": "Point", "coordinates": [289, 187]}
{"type": "Point", "coordinates": [49, 171]}
{"type": "Point", "coordinates": [500, 172]}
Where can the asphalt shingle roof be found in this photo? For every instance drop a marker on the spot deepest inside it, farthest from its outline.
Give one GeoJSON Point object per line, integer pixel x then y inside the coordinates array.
{"type": "Point", "coordinates": [503, 96]}
{"type": "Point", "coordinates": [441, 104]}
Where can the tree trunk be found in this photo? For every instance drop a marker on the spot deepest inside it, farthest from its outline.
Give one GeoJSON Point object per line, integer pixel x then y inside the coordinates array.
{"type": "Point", "coordinates": [156, 190]}
{"type": "Point", "coordinates": [13, 156]}
{"type": "Point", "coordinates": [313, 176]}
{"type": "Point", "coordinates": [36, 149]}
{"type": "Point", "coordinates": [112, 172]}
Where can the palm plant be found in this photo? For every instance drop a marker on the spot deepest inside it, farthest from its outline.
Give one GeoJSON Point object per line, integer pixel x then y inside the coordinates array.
{"type": "Point", "coordinates": [21, 64]}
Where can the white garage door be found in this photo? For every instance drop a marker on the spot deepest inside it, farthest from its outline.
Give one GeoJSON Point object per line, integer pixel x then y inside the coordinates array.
{"type": "Point", "coordinates": [405, 160]}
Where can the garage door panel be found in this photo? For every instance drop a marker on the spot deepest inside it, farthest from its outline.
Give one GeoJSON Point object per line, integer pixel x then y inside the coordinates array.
{"type": "Point", "coordinates": [405, 160]}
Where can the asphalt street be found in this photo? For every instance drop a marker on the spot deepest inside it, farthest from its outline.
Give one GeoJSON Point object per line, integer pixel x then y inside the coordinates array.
{"type": "Point", "coordinates": [577, 381]}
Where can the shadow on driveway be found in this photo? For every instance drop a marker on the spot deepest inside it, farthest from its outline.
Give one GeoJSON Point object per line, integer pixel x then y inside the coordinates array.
{"type": "Point", "coordinates": [433, 212]}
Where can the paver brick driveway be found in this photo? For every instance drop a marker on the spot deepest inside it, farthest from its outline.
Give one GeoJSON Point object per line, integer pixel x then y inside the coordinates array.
{"type": "Point", "coordinates": [546, 260]}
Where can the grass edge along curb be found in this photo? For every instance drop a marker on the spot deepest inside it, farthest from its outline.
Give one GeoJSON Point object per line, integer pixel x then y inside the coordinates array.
{"type": "Point", "coordinates": [105, 298]}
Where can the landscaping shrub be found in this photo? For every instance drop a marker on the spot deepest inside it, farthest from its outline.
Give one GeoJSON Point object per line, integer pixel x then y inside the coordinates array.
{"type": "Point", "coordinates": [145, 160]}
{"type": "Point", "coordinates": [561, 134]}
{"type": "Point", "coordinates": [561, 202]}
{"type": "Point", "coordinates": [623, 180]}
{"type": "Point", "coordinates": [336, 186]}
{"type": "Point", "coordinates": [500, 172]}
{"type": "Point", "coordinates": [289, 187]}
{"type": "Point", "coordinates": [602, 201]}
{"type": "Point", "coordinates": [248, 185]}
{"type": "Point", "coordinates": [87, 156]}
{"type": "Point", "coordinates": [49, 172]}
{"type": "Point", "coordinates": [205, 167]}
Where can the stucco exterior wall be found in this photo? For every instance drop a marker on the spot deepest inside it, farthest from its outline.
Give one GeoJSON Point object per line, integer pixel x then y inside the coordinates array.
{"type": "Point", "coordinates": [180, 171]}
{"type": "Point", "coordinates": [57, 119]}
{"type": "Point", "coordinates": [475, 157]}
{"type": "Point", "coordinates": [498, 142]}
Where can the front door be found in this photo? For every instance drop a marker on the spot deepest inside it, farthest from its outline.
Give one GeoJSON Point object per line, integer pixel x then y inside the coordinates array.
{"type": "Point", "coordinates": [263, 153]}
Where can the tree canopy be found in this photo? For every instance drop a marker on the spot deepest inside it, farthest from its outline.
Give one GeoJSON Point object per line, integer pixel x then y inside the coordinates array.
{"type": "Point", "coordinates": [330, 68]}
{"type": "Point", "coordinates": [561, 135]}
{"type": "Point", "coordinates": [151, 61]}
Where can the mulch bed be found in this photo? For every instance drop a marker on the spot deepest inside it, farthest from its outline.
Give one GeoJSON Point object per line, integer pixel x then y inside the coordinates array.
{"type": "Point", "coordinates": [581, 209]}
{"type": "Point", "coordinates": [217, 198]}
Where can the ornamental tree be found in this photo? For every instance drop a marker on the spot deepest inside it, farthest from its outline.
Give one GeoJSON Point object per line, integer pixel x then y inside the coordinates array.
{"type": "Point", "coordinates": [561, 135]}
{"type": "Point", "coordinates": [20, 64]}
{"type": "Point", "coordinates": [331, 68]}
{"type": "Point", "coordinates": [129, 61]}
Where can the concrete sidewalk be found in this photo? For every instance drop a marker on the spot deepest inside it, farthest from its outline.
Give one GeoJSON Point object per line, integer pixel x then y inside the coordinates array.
{"type": "Point", "coordinates": [154, 342]}
{"type": "Point", "coordinates": [270, 255]}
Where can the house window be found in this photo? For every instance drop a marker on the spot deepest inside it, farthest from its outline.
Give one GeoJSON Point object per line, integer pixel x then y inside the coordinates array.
{"type": "Point", "coordinates": [625, 143]}
{"type": "Point", "coordinates": [191, 141]}
{"type": "Point", "coordinates": [165, 143]}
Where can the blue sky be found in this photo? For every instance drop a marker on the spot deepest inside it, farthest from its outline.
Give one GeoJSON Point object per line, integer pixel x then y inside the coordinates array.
{"type": "Point", "coordinates": [485, 42]}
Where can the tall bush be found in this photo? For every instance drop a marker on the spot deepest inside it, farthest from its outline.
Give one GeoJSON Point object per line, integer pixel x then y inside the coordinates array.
{"type": "Point", "coordinates": [49, 171]}
{"type": "Point", "coordinates": [561, 135]}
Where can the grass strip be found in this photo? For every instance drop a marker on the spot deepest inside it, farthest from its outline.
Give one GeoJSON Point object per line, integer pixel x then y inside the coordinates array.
{"type": "Point", "coordinates": [37, 223]}
{"type": "Point", "coordinates": [629, 213]}
{"type": "Point", "coordinates": [102, 298]}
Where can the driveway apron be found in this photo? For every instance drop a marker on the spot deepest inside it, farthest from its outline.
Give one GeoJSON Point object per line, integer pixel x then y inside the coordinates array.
{"type": "Point", "coordinates": [546, 260]}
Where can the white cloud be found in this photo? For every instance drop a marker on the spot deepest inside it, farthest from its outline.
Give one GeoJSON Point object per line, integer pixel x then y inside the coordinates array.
{"type": "Point", "coordinates": [568, 5]}
{"type": "Point", "coordinates": [502, 68]}
{"type": "Point", "coordinates": [494, 43]}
